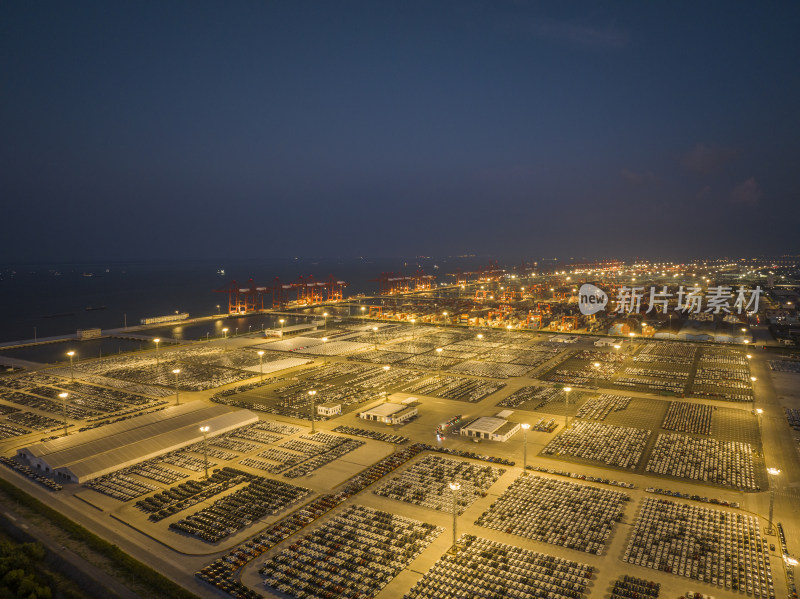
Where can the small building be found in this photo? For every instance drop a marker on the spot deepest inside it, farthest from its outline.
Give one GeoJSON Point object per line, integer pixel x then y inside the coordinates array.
{"type": "Point", "coordinates": [293, 329]}
{"type": "Point", "coordinates": [491, 428]}
{"type": "Point", "coordinates": [390, 413]}
{"type": "Point", "coordinates": [563, 338]}
{"type": "Point", "coordinates": [607, 342]}
{"type": "Point", "coordinates": [167, 318]}
{"type": "Point", "coordinates": [331, 408]}
{"type": "Point", "coordinates": [83, 334]}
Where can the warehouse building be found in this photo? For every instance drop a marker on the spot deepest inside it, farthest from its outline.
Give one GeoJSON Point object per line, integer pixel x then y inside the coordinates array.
{"type": "Point", "coordinates": [491, 428]}
{"type": "Point", "coordinates": [84, 456]}
{"type": "Point", "coordinates": [390, 413]}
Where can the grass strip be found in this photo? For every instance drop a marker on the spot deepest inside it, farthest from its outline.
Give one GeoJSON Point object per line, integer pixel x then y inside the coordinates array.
{"type": "Point", "coordinates": [133, 569]}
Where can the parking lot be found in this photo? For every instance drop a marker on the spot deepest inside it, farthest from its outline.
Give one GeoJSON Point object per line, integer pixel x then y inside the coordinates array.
{"type": "Point", "coordinates": [621, 439]}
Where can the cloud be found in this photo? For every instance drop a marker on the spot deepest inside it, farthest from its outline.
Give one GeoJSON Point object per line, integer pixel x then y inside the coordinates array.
{"type": "Point", "coordinates": [638, 178]}
{"type": "Point", "coordinates": [607, 36]}
{"type": "Point", "coordinates": [747, 193]}
{"type": "Point", "coordinates": [705, 159]}
{"type": "Point", "coordinates": [703, 194]}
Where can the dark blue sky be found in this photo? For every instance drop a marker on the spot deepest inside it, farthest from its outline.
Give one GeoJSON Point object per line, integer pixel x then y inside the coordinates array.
{"type": "Point", "coordinates": [505, 128]}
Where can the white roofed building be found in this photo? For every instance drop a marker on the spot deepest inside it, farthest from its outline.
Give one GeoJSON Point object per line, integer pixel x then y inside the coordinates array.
{"type": "Point", "coordinates": [331, 408]}
{"type": "Point", "coordinates": [93, 453]}
{"type": "Point", "coordinates": [491, 428]}
{"type": "Point", "coordinates": [390, 413]}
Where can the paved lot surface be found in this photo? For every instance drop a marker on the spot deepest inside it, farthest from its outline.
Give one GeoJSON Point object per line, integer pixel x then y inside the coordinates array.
{"type": "Point", "coordinates": [179, 556]}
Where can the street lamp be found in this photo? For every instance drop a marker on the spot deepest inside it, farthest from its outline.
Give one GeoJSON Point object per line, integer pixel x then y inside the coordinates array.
{"type": "Point", "coordinates": [311, 394]}
{"type": "Point", "coordinates": [324, 352]}
{"type": "Point", "coordinates": [439, 353]}
{"type": "Point", "coordinates": [63, 397]}
{"type": "Point", "coordinates": [375, 337]}
{"type": "Point", "coordinates": [325, 316]}
{"type": "Point", "coordinates": [631, 335]}
{"type": "Point", "coordinates": [596, 366]}
{"type": "Point", "coordinates": [176, 372]}
{"type": "Point", "coordinates": [281, 321]}
{"type": "Point", "coordinates": [204, 430]}
{"type": "Point", "coordinates": [525, 426]}
{"type": "Point", "coordinates": [261, 363]}
{"type": "Point", "coordinates": [455, 488]}
{"type": "Point", "coordinates": [566, 403]}
{"type": "Point", "coordinates": [156, 341]}
{"type": "Point", "coordinates": [71, 354]}
{"type": "Point", "coordinates": [444, 314]}
{"type": "Point", "coordinates": [386, 392]}
{"type": "Point", "coordinates": [774, 472]}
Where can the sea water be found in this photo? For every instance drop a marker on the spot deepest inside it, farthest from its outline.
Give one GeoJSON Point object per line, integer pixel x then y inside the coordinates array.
{"type": "Point", "coordinates": [45, 300]}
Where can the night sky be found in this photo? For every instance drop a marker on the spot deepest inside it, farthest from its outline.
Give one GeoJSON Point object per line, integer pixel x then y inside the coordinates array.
{"type": "Point", "coordinates": [145, 130]}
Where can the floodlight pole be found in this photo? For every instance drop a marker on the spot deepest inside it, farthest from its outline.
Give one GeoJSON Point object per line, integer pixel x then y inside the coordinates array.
{"type": "Point", "coordinates": [71, 354]}
{"type": "Point", "coordinates": [312, 393]}
{"type": "Point", "coordinates": [176, 372]}
{"type": "Point", "coordinates": [773, 472]}
{"type": "Point", "coordinates": [204, 430]}
{"type": "Point", "coordinates": [63, 397]}
{"type": "Point", "coordinates": [525, 427]}
{"type": "Point", "coordinates": [454, 487]}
